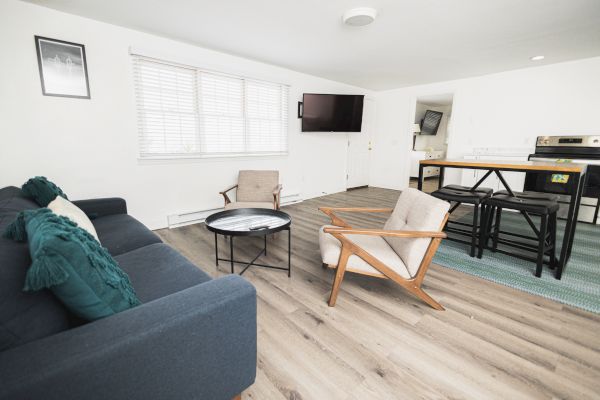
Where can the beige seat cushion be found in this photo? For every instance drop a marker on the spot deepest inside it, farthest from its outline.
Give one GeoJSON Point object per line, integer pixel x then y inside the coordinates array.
{"type": "Point", "coordinates": [374, 245]}
{"type": "Point", "coordinates": [415, 211]}
{"type": "Point", "coordinates": [249, 204]}
{"type": "Point", "coordinates": [257, 186]}
{"type": "Point", "coordinates": [64, 207]}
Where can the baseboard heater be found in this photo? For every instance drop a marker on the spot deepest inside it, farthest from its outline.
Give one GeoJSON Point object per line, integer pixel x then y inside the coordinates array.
{"type": "Point", "coordinates": [198, 216]}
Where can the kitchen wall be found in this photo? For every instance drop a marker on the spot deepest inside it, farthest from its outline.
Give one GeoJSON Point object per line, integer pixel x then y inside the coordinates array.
{"type": "Point", "coordinates": [505, 110]}
{"type": "Point", "coordinates": [89, 147]}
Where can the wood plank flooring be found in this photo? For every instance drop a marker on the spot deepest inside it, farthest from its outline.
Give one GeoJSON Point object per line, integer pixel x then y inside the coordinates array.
{"type": "Point", "coordinates": [492, 342]}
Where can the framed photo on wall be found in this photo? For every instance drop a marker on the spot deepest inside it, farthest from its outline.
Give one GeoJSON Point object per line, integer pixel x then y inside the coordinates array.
{"type": "Point", "coordinates": [63, 68]}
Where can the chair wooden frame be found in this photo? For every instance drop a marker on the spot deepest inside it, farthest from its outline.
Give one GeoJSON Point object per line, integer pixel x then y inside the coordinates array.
{"type": "Point", "coordinates": [276, 195]}
{"type": "Point", "coordinates": [349, 248]}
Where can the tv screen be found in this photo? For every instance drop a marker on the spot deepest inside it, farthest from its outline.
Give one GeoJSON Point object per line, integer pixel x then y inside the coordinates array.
{"type": "Point", "coordinates": [332, 112]}
{"type": "Point", "coordinates": [431, 122]}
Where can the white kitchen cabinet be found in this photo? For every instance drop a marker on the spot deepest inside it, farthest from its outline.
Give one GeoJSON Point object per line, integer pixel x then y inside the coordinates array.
{"type": "Point", "coordinates": [417, 155]}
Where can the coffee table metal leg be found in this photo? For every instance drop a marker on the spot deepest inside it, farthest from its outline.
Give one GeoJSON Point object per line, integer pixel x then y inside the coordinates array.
{"type": "Point", "coordinates": [289, 252]}
{"type": "Point", "coordinates": [216, 250]}
{"type": "Point", "coordinates": [265, 245]}
{"type": "Point", "coordinates": [231, 252]}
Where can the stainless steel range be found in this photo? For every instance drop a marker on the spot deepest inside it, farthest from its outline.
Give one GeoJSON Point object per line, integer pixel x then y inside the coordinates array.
{"type": "Point", "coordinates": [581, 149]}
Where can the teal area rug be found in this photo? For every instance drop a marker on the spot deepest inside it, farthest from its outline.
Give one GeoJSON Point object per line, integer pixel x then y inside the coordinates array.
{"type": "Point", "coordinates": [580, 283]}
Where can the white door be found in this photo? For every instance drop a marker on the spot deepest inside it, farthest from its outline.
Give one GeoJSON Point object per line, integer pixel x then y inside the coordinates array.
{"type": "Point", "coordinates": [359, 149]}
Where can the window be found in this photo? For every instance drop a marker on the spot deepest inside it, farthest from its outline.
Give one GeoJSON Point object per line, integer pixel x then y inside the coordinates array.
{"type": "Point", "coordinates": [187, 112]}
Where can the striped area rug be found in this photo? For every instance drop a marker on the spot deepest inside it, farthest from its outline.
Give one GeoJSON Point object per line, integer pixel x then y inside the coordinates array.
{"type": "Point", "coordinates": [580, 283]}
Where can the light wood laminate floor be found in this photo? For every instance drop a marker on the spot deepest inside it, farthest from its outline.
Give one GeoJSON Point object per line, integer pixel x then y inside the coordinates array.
{"type": "Point", "coordinates": [492, 342]}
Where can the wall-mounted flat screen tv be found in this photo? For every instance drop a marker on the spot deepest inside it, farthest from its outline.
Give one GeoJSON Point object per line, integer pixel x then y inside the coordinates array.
{"type": "Point", "coordinates": [332, 112]}
{"type": "Point", "coordinates": [431, 122]}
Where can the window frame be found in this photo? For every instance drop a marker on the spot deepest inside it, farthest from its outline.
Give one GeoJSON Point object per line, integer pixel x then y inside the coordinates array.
{"type": "Point", "coordinates": [198, 100]}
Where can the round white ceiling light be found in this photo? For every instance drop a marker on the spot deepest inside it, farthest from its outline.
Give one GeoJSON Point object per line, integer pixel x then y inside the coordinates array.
{"type": "Point", "coordinates": [536, 58]}
{"type": "Point", "coordinates": [360, 16]}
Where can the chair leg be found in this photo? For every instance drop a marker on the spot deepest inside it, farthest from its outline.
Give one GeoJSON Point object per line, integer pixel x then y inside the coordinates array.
{"type": "Point", "coordinates": [553, 227]}
{"type": "Point", "coordinates": [490, 225]}
{"type": "Point", "coordinates": [420, 293]}
{"type": "Point", "coordinates": [474, 229]}
{"type": "Point", "coordinates": [496, 229]}
{"type": "Point", "coordinates": [339, 275]}
{"type": "Point", "coordinates": [541, 246]}
{"type": "Point", "coordinates": [483, 230]}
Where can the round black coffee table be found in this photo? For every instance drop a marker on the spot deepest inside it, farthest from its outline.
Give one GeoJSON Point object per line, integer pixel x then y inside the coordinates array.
{"type": "Point", "coordinates": [250, 222]}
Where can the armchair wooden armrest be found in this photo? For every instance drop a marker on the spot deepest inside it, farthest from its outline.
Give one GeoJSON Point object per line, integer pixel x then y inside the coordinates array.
{"type": "Point", "coordinates": [389, 233]}
{"type": "Point", "coordinates": [337, 221]}
{"type": "Point", "coordinates": [277, 196]}
{"type": "Point", "coordinates": [224, 193]}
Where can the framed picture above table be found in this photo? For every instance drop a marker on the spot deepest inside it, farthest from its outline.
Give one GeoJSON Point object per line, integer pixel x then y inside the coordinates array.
{"type": "Point", "coordinates": [63, 68]}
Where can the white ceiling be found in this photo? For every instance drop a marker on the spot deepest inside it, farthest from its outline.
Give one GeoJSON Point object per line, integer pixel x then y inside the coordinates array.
{"type": "Point", "coordinates": [411, 42]}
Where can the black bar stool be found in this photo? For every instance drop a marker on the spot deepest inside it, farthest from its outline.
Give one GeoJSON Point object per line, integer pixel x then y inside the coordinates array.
{"type": "Point", "coordinates": [463, 194]}
{"type": "Point", "coordinates": [531, 195]}
{"type": "Point", "coordinates": [543, 205]}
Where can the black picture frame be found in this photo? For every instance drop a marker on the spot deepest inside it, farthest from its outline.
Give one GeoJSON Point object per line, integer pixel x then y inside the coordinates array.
{"type": "Point", "coordinates": [68, 78]}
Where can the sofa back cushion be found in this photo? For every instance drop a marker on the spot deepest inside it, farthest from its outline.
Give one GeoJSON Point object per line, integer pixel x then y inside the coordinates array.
{"type": "Point", "coordinates": [23, 316]}
{"type": "Point", "coordinates": [257, 186]}
{"type": "Point", "coordinates": [415, 211]}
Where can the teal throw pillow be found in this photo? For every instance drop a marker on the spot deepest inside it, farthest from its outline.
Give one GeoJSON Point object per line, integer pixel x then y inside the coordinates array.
{"type": "Point", "coordinates": [41, 190]}
{"type": "Point", "coordinates": [73, 265]}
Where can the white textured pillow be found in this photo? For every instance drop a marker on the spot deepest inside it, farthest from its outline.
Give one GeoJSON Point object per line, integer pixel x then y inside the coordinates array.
{"type": "Point", "coordinates": [64, 207]}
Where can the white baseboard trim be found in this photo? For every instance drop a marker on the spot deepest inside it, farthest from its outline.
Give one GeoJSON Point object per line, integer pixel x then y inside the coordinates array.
{"type": "Point", "coordinates": [198, 216]}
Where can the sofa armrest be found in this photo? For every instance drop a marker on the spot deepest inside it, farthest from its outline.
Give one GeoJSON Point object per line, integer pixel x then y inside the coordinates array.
{"type": "Point", "coordinates": [95, 208]}
{"type": "Point", "coordinates": [199, 343]}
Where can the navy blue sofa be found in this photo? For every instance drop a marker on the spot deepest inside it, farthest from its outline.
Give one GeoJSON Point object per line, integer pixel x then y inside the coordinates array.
{"type": "Point", "coordinates": [192, 338]}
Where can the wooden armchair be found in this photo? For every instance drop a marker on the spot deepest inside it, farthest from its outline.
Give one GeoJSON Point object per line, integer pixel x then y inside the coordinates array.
{"type": "Point", "coordinates": [255, 189]}
{"type": "Point", "coordinates": [401, 251]}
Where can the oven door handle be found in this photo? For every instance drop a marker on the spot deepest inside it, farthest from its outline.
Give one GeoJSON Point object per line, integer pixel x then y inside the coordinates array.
{"type": "Point", "coordinates": [574, 160]}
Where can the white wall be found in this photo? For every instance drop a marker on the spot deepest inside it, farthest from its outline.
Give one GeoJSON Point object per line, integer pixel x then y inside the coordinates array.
{"type": "Point", "coordinates": [437, 141]}
{"type": "Point", "coordinates": [508, 109]}
{"type": "Point", "coordinates": [88, 147]}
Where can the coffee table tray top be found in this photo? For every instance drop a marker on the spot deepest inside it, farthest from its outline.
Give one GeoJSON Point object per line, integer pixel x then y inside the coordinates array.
{"type": "Point", "coordinates": [248, 222]}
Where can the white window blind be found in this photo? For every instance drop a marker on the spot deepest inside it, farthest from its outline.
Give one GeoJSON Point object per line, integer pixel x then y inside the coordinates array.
{"type": "Point", "coordinates": [187, 112]}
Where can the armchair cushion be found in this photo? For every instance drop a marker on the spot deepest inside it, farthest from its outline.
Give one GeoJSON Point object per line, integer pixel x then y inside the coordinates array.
{"type": "Point", "coordinates": [257, 186]}
{"type": "Point", "coordinates": [415, 211]}
{"type": "Point", "coordinates": [249, 204]}
{"type": "Point", "coordinates": [374, 245]}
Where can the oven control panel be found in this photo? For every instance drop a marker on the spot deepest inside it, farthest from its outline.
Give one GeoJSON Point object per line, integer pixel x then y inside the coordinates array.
{"type": "Point", "coordinates": [569, 141]}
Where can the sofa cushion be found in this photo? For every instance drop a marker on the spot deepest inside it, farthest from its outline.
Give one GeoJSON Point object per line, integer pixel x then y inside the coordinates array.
{"type": "Point", "coordinates": [71, 263]}
{"type": "Point", "coordinates": [122, 233]}
{"type": "Point", "coordinates": [24, 316]}
{"type": "Point", "coordinates": [41, 190]}
{"type": "Point", "coordinates": [158, 270]}
{"type": "Point", "coordinates": [62, 206]}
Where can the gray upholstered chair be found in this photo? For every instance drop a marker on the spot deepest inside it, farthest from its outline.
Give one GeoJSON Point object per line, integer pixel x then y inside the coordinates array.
{"type": "Point", "coordinates": [401, 251]}
{"type": "Point", "coordinates": [255, 189]}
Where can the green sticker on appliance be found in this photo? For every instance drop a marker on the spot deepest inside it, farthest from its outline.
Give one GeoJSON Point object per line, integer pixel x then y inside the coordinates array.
{"type": "Point", "coordinates": [560, 178]}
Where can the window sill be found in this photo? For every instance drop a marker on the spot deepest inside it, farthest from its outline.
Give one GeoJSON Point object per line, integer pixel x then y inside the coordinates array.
{"type": "Point", "coordinates": [215, 157]}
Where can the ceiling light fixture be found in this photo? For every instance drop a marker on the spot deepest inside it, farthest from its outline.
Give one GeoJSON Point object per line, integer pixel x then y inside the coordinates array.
{"type": "Point", "coordinates": [360, 16]}
{"type": "Point", "coordinates": [536, 58]}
